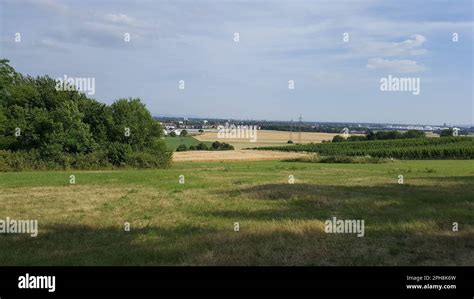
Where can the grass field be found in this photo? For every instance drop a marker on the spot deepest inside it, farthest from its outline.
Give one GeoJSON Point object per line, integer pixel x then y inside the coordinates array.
{"type": "Point", "coordinates": [280, 223]}
{"type": "Point", "coordinates": [173, 142]}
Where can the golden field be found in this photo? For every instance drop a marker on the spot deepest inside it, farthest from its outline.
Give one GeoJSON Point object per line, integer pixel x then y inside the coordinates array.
{"type": "Point", "coordinates": [267, 138]}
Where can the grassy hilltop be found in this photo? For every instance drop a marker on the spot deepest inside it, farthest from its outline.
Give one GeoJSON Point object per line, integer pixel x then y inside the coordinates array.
{"type": "Point", "coordinates": [280, 223]}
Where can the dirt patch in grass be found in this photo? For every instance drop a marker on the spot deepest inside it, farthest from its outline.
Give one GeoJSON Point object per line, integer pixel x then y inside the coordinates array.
{"type": "Point", "coordinates": [236, 155]}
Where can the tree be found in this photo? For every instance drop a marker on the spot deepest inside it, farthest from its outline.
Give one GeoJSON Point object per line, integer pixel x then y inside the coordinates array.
{"type": "Point", "coordinates": [99, 118]}
{"type": "Point", "coordinates": [216, 145]}
{"type": "Point", "coordinates": [71, 132]}
{"type": "Point", "coordinates": [447, 133]}
{"type": "Point", "coordinates": [338, 138]}
{"type": "Point", "coordinates": [131, 116]}
{"type": "Point", "coordinates": [371, 135]}
{"type": "Point", "coordinates": [356, 138]}
{"type": "Point", "coordinates": [414, 134]}
{"type": "Point", "coordinates": [66, 129]}
{"type": "Point", "coordinates": [183, 133]}
{"type": "Point", "coordinates": [181, 148]}
{"type": "Point", "coordinates": [202, 147]}
{"type": "Point", "coordinates": [385, 135]}
{"type": "Point", "coordinates": [173, 134]}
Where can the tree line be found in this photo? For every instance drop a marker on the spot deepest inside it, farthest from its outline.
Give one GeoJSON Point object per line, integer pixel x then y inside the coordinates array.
{"type": "Point", "coordinates": [381, 135]}
{"type": "Point", "coordinates": [45, 128]}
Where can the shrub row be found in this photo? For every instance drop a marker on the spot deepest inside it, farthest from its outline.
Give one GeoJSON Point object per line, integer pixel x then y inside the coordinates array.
{"type": "Point", "coordinates": [115, 158]}
{"type": "Point", "coordinates": [216, 146]}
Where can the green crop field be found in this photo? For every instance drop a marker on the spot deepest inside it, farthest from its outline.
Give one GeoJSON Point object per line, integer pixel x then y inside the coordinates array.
{"type": "Point", "coordinates": [172, 143]}
{"type": "Point", "coordinates": [280, 223]}
{"type": "Point", "coordinates": [421, 148]}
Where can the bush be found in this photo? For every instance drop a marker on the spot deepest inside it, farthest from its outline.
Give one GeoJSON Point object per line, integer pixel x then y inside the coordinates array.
{"type": "Point", "coordinates": [290, 141]}
{"type": "Point", "coordinates": [447, 133]}
{"type": "Point", "coordinates": [221, 146]}
{"type": "Point", "coordinates": [226, 147]}
{"type": "Point", "coordinates": [216, 145]}
{"type": "Point", "coordinates": [21, 160]}
{"type": "Point", "coordinates": [181, 148]}
{"type": "Point", "coordinates": [184, 133]}
{"type": "Point", "coordinates": [94, 160]}
{"type": "Point", "coordinates": [356, 138]}
{"type": "Point", "coordinates": [145, 160]}
{"type": "Point", "coordinates": [117, 153]}
{"type": "Point", "coordinates": [202, 147]}
{"type": "Point", "coordinates": [338, 138]}
{"type": "Point", "coordinates": [385, 135]}
{"type": "Point", "coordinates": [172, 134]}
{"type": "Point", "coordinates": [414, 134]}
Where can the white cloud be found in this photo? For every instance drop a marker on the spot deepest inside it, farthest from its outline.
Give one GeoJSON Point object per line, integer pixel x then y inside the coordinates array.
{"type": "Point", "coordinates": [121, 19]}
{"type": "Point", "coordinates": [397, 66]}
{"type": "Point", "coordinates": [409, 47]}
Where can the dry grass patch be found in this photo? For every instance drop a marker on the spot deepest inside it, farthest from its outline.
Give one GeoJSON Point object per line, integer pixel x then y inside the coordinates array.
{"type": "Point", "coordinates": [235, 155]}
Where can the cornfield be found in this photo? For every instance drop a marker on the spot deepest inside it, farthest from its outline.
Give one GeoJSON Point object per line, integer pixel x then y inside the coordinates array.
{"type": "Point", "coordinates": [420, 148]}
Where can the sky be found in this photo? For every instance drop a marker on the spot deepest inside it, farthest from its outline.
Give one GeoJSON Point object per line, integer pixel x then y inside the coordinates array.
{"type": "Point", "coordinates": [335, 52]}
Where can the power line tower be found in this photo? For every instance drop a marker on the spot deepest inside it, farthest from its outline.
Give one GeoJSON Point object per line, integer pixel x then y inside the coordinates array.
{"type": "Point", "coordinates": [299, 133]}
{"type": "Point", "coordinates": [291, 130]}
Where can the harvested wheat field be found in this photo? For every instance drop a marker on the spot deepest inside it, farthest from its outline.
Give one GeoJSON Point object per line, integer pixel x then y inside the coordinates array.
{"type": "Point", "coordinates": [268, 138]}
{"type": "Point", "coordinates": [236, 155]}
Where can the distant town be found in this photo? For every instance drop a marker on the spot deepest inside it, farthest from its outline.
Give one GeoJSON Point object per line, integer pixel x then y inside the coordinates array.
{"type": "Point", "coordinates": [195, 125]}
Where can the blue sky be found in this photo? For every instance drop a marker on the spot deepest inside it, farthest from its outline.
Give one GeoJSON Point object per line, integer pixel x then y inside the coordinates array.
{"type": "Point", "coordinates": [279, 41]}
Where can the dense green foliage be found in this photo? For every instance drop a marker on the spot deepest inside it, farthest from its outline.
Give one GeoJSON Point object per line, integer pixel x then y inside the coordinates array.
{"type": "Point", "coordinates": [446, 133]}
{"type": "Point", "coordinates": [382, 135]}
{"type": "Point", "coordinates": [221, 146]}
{"type": "Point", "coordinates": [189, 143]}
{"type": "Point", "coordinates": [419, 148]}
{"type": "Point", "coordinates": [45, 128]}
{"type": "Point", "coordinates": [172, 143]}
{"type": "Point", "coordinates": [216, 146]}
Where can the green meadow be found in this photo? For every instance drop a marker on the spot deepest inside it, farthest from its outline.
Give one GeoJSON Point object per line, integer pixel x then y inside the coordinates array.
{"type": "Point", "coordinates": [172, 143]}
{"type": "Point", "coordinates": [279, 223]}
